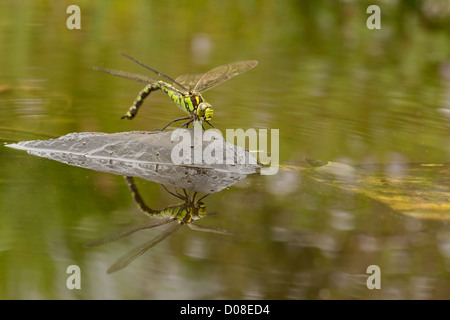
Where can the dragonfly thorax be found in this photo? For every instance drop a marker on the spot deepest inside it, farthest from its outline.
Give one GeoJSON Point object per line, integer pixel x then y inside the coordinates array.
{"type": "Point", "coordinates": [194, 104]}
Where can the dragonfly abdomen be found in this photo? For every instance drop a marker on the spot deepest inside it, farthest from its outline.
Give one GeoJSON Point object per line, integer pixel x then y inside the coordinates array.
{"type": "Point", "coordinates": [186, 101]}
{"type": "Point", "coordinates": [140, 99]}
{"type": "Point", "coordinates": [176, 95]}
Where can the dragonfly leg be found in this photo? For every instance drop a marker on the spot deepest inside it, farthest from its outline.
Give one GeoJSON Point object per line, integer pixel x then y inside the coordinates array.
{"type": "Point", "coordinates": [179, 119]}
{"type": "Point", "coordinates": [137, 197]}
{"type": "Point", "coordinates": [209, 124]}
{"type": "Point", "coordinates": [203, 197]}
{"type": "Point", "coordinates": [175, 193]}
{"type": "Point", "coordinates": [201, 123]}
{"type": "Point", "coordinates": [180, 195]}
{"type": "Point", "coordinates": [187, 123]}
{"type": "Point", "coordinates": [131, 113]}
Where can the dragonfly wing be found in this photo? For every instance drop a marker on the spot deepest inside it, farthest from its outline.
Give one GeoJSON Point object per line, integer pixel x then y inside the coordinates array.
{"type": "Point", "coordinates": [127, 75]}
{"type": "Point", "coordinates": [125, 232]}
{"type": "Point", "coordinates": [137, 252]}
{"type": "Point", "coordinates": [189, 80]}
{"type": "Point", "coordinates": [155, 71]}
{"type": "Point", "coordinates": [220, 74]}
{"type": "Point", "coordinates": [199, 227]}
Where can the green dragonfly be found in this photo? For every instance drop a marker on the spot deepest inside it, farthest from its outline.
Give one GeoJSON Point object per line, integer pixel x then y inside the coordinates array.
{"type": "Point", "coordinates": [186, 90]}
{"type": "Point", "coordinates": [175, 216]}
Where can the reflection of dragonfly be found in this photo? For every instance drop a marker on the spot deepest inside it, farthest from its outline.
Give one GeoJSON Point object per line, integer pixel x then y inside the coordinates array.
{"type": "Point", "coordinates": [175, 216]}
{"type": "Point", "coordinates": [188, 94]}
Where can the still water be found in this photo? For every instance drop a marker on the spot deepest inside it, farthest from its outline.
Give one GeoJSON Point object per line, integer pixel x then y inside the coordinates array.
{"type": "Point", "coordinates": [364, 142]}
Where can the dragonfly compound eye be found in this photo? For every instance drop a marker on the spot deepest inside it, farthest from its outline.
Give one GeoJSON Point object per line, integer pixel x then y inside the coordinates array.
{"type": "Point", "coordinates": [205, 110]}
{"type": "Point", "coordinates": [201, 210]}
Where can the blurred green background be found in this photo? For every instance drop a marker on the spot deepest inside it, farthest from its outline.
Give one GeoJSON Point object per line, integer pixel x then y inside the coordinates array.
{"type": "Point", "coordinates": [337, 91]}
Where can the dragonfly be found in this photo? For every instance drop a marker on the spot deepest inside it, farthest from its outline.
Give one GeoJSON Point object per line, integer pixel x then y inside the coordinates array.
{"type": "Point", "coordinates": [186, 90]}
{"type": "Point", "coordinates": [174, 216]}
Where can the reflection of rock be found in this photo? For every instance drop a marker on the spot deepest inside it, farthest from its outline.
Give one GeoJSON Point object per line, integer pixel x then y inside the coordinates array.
{"type": "Point", "coordinates": [142, 154]}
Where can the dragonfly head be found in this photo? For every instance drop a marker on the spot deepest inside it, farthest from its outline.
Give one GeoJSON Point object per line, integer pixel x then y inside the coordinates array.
{"type": "Point", "coordinates": [200, 210]}
{"type": "Point", "coordinates": [205, 110]}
